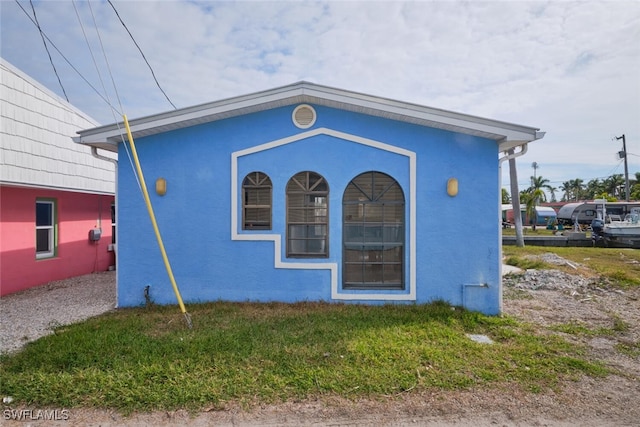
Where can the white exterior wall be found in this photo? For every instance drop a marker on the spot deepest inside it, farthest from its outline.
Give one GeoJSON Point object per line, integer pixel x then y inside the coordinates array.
{"type": "Point", "coordinates": [36, 149]}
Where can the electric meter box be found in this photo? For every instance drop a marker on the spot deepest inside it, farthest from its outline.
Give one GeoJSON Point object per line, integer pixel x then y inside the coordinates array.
{"type": "Point", "coordinates": [94, 234]}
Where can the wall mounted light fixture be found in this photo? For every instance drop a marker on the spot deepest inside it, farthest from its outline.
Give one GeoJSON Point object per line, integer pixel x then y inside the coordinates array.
{"type": "Point", "coordinates": [161, 186]}
{"type": "Point", "coordinates": [452, 187]}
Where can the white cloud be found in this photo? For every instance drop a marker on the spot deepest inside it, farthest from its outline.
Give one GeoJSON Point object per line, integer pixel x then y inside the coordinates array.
{"type": "Point", "coordinates": [571, 68]}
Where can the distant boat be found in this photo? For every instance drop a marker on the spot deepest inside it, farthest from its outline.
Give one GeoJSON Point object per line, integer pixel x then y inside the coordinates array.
{"type": "Point", "coordinates": [610, 231]}
{"type": "Point", "coordinates": [625, 233]}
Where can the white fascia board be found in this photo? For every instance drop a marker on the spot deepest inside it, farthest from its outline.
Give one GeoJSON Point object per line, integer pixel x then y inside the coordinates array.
{"type": "Point", "coordinates": [508, 135]}
{"type": "Point", "coordinates": [429, 116]}
{"type": "Point", "coordinates": [56, 188]}
{"type": "Point", "coordinates": [109, 136]}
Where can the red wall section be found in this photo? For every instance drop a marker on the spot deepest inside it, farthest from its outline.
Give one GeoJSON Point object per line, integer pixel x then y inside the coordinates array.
{"type": "Point", "coordinates": [77, 213]}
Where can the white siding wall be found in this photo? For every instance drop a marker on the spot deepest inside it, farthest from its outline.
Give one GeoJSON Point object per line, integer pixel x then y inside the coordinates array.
{"type": "Point", "coordinates": [36, 149]}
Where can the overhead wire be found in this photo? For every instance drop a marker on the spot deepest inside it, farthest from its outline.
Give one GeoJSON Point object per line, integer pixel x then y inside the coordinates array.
{"type": "Point", "coordinates": [141, 53]}
{"type": "Point", "coordinates": [64, 57]}
{"type": "Point", "coordinates": [44, 42]}
{"type": "Point", "coordinates": [106, 92]}
{"type": "Point", "coordinates": [140, 177]}
{"type": "Point", "coordinates": [93, 58]}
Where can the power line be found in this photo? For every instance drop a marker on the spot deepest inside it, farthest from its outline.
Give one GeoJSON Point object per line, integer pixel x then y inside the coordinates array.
{"type": "Point", "coordinates": [142, 53]}
{"type": "Point", "coordinates": [95, 64]}
{"type": "Point", "coordinates": [65, 58]}
{"type": "Point", "coordinates": [46, 48]}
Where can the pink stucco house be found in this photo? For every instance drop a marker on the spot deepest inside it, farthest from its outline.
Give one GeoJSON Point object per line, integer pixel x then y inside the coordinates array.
{"type": "Point", "coordinates": [56, 198]}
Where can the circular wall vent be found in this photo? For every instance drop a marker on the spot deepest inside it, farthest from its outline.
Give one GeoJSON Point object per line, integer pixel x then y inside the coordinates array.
{"type": "Point", "coordinates": [304, 116]}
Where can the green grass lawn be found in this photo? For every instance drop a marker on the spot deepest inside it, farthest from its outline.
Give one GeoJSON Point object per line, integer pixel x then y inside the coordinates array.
{"type": "Point", "coordinates": [146, 359]}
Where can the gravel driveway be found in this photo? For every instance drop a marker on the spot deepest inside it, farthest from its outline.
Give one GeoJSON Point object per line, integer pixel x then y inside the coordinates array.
{"type": "Point", "coordinates": [28, 315]}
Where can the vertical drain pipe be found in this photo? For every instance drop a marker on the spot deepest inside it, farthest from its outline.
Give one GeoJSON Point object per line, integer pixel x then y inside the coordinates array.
{"type": "Point", "coordinates": [94, 153]}
{"type": "Point", "coordinates": [147, 201]}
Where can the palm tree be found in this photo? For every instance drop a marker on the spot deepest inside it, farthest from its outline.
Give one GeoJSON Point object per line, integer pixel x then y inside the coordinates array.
{"type": "Point", "coordinates": [566, 189]}
{"type": "Point", "coordinates": [534, 195]}
{"type": "Point", "coordinates": [635, 189]}
{"type": "Point", "coordinates": [594, 188]}
{"type": "Point", "coordinates": [506, 198]}
{"type": "Point", "coordinates": [614, 185]}
{"type": "Point", "coordinates": [577, 188]}
{"type": "Point", "coordinates": [553, 190]}
{"type": "Point", "coordinates": [540, 183]}
{"type": "Point", "coordinates": [532, 198]}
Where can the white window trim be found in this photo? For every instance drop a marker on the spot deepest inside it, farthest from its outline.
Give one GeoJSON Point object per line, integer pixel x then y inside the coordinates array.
{"type": "Point", "coordinates": [52, 244]}
{"type": "Point", "coordinates": [336, 294]}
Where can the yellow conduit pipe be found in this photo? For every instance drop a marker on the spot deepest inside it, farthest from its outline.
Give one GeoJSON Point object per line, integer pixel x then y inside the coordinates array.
{"type": "Point", "coordinates": [147, 201]}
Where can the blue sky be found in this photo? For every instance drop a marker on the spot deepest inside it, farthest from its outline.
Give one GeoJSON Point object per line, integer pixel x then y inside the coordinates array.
{"type": "Point", "coordinates": [570, 68]}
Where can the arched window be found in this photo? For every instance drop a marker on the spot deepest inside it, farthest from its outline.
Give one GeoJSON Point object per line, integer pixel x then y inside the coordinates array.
{"type": "Point", "coordinates": [307, 216]}
{"type": "Point", "coordinates": [373, 233]}
{"type": "Point", "coordinates": [256, 202]}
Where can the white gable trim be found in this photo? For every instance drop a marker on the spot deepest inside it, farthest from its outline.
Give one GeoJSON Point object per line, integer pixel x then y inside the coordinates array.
{"type": "Point", "coordinates": [506, 135]}
{"type": "Point", "coordinates": [331, 266]}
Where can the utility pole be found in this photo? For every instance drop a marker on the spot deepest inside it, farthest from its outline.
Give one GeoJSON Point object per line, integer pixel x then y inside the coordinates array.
{"type": "Point", "coordinates": [623, 153]}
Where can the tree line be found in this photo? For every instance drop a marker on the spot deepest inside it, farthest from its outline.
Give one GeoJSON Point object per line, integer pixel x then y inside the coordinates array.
{"type": "Point", "coordinates": [611, 188]}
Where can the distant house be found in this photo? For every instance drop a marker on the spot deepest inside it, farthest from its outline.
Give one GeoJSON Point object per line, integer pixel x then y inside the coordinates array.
{"type": "Point", "coordinates": [545, 215]}
{"type": "Point", "coordinates": [53, 192]}
{"type": "Point", "coordinates": [308, 193]}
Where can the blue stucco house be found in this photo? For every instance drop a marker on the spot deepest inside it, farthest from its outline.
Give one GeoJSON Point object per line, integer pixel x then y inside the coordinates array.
{"type": "Point", "coordinates": [311, 193]}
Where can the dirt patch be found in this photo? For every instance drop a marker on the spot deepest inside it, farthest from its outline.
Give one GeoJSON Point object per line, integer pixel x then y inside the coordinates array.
{"type": "Point", "coordinates": [557, 301]}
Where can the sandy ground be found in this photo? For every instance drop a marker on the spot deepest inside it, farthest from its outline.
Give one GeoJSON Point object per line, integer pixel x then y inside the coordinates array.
{"type": "Point", "coordinates": [543, 298]}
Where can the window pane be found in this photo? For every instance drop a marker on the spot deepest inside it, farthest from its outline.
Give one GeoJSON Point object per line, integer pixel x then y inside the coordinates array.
{"type": "Point", "coordinates": [393, 212]}
{"type": "Point", "coordinates": [317, 231]}
{"type": "Point", "coordinates": [353, 273]}
{"type": "Point", "coordinates": [44, 214]}
{"type": "Point", "coordinates": [393, 233]}
{"type": "Point", "coordinates": [259, 218]}
{"type": "Point", "coordinates": [297, 216]}
{"type": "Point", "coordinates": [353, 255]}
{"type": "Point", "coordinates": [256, 201]}
{"type": "Point", "coordinates": [113, 223]}
{"type": "Point", "coordinates": [296, 200]}
{"type": "Point", "coordinates": [353, 233]}
{"type": "Point", "coordinates": [307, 215]}
{"type": "Point", "coordinates": [392, 193]}
{"type": "Point", "coordinates": [372, 273]}
{"type": "Point", "coordinates": [316, 246]}
{"type": "Point", "coordinates": [373, 233]}
{"type": "Point", "coordinates": [352, 212]}
{"type": "Point", "coordinates": [258, 214]}
{"type": "Point", "coordinates": [393, 254]}
{"type": "Point", "coordinates": [373, 212]}
{"type": "Point", "coordinates": [297, 231]}
{"type": "Point", "coordinates": [297, 246]}
{"type": "Point", "coordinates": [317, 201]}
{"type": "Point", "coordinates": [392, 274]}
{"type": "Point", "coordinates": [43, 240]}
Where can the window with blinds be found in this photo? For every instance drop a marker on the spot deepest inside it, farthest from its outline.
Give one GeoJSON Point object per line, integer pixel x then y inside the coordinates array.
{"type": "Point", "coordinates": [307, 216]}
{"type": "Point", "coordinates": [256, 202]}
{"type": "Point", "coordinates": [373, 233]}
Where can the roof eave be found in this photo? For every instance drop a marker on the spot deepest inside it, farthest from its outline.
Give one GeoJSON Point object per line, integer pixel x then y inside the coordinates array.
{"type": "Point", "coordinates": [507, 135]}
